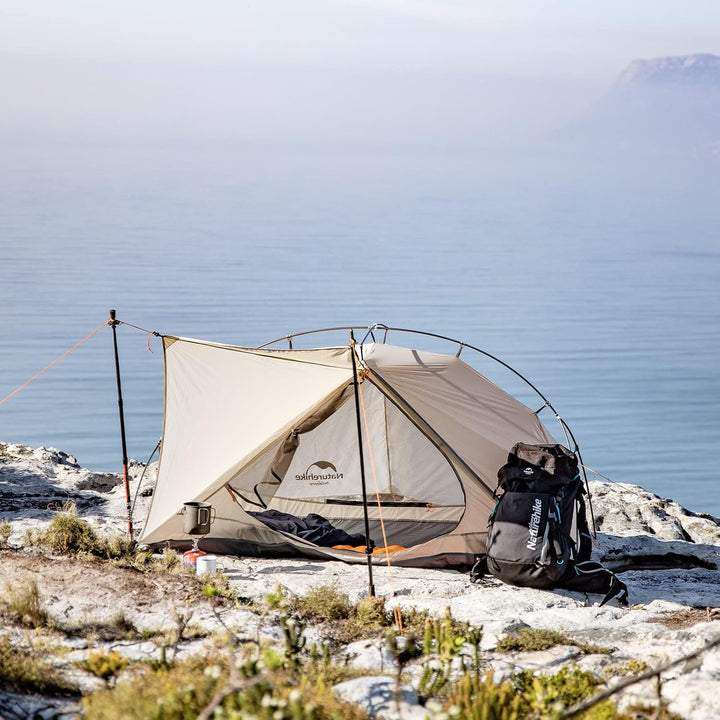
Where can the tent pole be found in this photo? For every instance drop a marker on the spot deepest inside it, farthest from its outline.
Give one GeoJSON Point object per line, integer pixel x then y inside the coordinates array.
{"type": "Point", "coordinates": [368, 543]}
{"type": "Point", "coordinates": [113, 324]}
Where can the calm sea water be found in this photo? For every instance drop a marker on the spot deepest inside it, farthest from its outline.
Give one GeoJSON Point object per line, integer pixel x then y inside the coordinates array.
{"type": "Point", "coordinates": [600, 282]}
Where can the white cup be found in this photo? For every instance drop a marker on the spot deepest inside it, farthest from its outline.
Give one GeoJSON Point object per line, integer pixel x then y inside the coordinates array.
{"type": "Point", "coordinates": [206, 564]}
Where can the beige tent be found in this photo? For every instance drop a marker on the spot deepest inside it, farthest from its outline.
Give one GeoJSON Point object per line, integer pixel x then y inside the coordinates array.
{"type": "Point", "coordinates": [257, 430]}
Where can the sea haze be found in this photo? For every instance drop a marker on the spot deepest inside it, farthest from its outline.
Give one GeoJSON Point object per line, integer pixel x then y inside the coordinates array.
{"type": "Point", "coordinates": [598, 278]}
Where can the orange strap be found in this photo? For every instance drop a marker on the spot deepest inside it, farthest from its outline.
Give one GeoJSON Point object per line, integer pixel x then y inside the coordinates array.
{"type": "Point", "coordinates": [376, 551]}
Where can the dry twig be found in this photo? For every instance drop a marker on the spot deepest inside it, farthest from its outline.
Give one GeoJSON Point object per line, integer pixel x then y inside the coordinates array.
{"type": "Point", "coordinates": [577, 709]}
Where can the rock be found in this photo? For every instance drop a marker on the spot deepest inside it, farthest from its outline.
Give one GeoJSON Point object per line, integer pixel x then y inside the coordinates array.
{"type": "Point", "coordinates": [623, 509]}
{"type": "Point", "coordinates": [377, 695]}
{"type": "Point", "coordinates": [668, 556]}
{"type": "Point", "coordinates": [368, 655]}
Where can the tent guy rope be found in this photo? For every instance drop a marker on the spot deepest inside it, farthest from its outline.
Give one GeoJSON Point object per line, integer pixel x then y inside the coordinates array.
{"type": "Point", "coordinates": [107, 323]}
{"type": "Point", "coordinates": [113, 322]}
{"type": "Point", "coordinates": [54, 362]}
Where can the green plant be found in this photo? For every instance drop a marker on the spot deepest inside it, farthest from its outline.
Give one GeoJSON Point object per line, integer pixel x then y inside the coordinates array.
{"type": "Point", "coordinates": [276, 598]}
{"type": "Point", "coordinates": [343, 621]}
{"type": "Point", "coordinates": [325, 602]}
{"type": "Point", "coordinates": [170, 560]}
{"type": "Point", "coordinates": [66, 534]}
{"type": "Point", "coordinates": [554, 693]}
{"type": "Point", "coordinates": [476, 697]}
{"type": "Point", "coordinates": [445, 638]}
{"type": "Point", "coordinates": [294, 641]}
{"type": "Point", "coordinates": [526, 696]}
{"type": "Point", "coordinates": [371, 612]}
{"type": "Point", "coordinates": [631, 667]}
{"type": "Point", "coordinates": [5, 532]}
{"type": "Point", "coordinates": [27, 671]}
{"type": "Point", "coordinates": [23, 604]}
{"type": "Point", "coordinates": [532, 640]}
{"type": "Point", "coordinates": [227, 688]}
{"type": "Point", "coordinates": [216, 587]}
{"type": "Point", "coordinates": [106, 665]}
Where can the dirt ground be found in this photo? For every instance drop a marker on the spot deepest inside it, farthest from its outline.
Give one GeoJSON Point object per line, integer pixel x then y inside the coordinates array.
{"type": "Point", "coordinates": [688, 618]}
{"type": "Point", "coordinates": [77, 591]}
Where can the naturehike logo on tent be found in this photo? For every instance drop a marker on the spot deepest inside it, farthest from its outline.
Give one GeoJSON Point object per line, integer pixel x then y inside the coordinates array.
{"type": "Point", "coordinates": [534, 525]}
{"type": "Point", "coordinates": [315, 478]}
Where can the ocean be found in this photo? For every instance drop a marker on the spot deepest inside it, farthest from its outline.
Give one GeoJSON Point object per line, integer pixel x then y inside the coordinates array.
{"type": "Point", "coordinates": [598, 280]}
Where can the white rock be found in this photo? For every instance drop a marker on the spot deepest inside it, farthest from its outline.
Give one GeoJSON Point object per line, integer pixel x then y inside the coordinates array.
{"type": "Point", "coordinates": [368, 655]}
{"type": "Point", "coordinates": [377, 695]}
{"type": "Point", "coordinates": [674, 556]}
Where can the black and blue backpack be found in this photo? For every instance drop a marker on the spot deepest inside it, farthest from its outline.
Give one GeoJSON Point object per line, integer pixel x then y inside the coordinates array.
{"type": "Point", "coordinates": [538, 533]}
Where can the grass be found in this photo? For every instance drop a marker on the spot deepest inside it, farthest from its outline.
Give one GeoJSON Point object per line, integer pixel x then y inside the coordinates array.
{"type": "Point", "coordinates": [30, 670]}
{"type": "Point", "coordinates": [105, 664]}
{"type": "Point", "coordinates": [5, 532]}
{"type": "Point", "coordinates": [533, 640]}
{"type": "Point", "coordinates": [296, 683]}
{"type": "Point", "coordinates": [346, 622]}
{"type": "Point", "coordinates": [268, 683]}
{"type": "Point", "coordinates": [342, 620]}
{"type": "Point", "coordinates": [238, 690]}
{"type": "Point", "coordinates": [22, 604]}
{"type": "Point", "coordinates": [69, 535]}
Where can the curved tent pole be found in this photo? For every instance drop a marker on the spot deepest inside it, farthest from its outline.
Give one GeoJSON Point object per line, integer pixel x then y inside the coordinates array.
{"type": "Point", "coordinates": [388, 329]}
{"type": "Point", "coordinates": [461, 345]}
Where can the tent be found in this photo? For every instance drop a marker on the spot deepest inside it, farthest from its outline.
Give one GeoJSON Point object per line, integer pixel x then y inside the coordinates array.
{"type": "Point", "coordinates": [252, 430]}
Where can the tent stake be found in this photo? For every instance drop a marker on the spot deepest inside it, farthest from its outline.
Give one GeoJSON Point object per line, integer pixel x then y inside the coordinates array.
{"type": "Point", "coordinates": [368, 543]}
{"type": "Point", "coordinates": [113, 324]}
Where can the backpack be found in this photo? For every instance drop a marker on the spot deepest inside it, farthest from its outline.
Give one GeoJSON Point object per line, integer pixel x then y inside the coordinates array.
{"type": "Point", "coordinates": [538, 534]}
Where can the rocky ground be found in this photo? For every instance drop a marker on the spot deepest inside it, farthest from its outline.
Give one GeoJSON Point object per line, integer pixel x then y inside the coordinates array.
{"type": "Point", "coordinates": [667, 556]}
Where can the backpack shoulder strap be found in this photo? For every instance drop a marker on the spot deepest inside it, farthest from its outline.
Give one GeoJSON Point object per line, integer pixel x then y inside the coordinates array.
{"type": "Point", "coordinates": [479, 569]}
{"type": "Point", "coordinates": [592, 577]}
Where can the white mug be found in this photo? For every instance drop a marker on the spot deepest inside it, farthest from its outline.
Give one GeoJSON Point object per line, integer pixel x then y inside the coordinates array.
{"type": "Point", "coordinates": [206, 563]}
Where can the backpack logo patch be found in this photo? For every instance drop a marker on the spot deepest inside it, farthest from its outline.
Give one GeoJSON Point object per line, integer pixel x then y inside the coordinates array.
{"type": "Point", "coordinates": [534, 525]}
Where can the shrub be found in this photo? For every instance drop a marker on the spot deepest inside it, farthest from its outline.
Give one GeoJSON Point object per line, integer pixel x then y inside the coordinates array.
{"type": "Point", "coordinates": [5, 532]}
{"type": "Point", "coordinates": [106, 665]}
{"type": "Point", "coordinates": [23, 604]}
{"type": "Point", "coordinates": [242, 691]}
{"type": "Point", "coordinates": [118, 627]}
{"type": "Point", "coordinates": [481, 698]}
{"type": "Point", "coordinates": [325, 602]}
{"type": "Point", "coordinates": [26, 671]}
{"type": "Point", "coordinates": [532, 640]}
{"type": "Point", "coordinates": [67, 534]}
{"type": "Point", "coordinates": [525, 696]}
{"type": "Point", "coordinates": [217, 588]}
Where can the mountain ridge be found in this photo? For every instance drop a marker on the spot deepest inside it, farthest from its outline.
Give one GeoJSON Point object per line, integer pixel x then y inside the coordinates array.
{"type": "Point", "coordinates": [657, 107]}
{"type": "Point", "coordinates": [697, 67]}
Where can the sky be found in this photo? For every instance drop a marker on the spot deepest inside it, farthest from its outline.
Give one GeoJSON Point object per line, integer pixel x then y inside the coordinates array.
{"type": "Point", "coordinates": [259, 67]}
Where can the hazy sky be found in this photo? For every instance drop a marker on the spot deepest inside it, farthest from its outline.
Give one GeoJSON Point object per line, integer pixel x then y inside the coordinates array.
{"type": "Point", "coordinates": [78, 63]}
